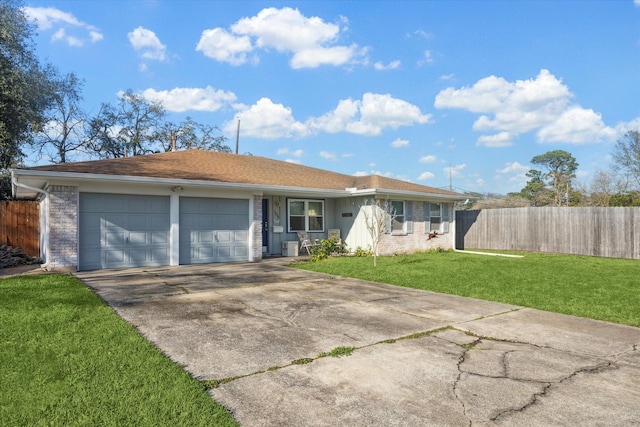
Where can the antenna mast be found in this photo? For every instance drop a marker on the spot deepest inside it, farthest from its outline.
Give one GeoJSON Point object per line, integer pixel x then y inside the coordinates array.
{"type": "Point", "coordinates": [238, 137]}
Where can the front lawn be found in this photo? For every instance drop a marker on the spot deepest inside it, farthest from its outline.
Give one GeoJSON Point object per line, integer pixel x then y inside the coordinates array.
{"type": "Point", "coordinates": [598, 288]}
{"type": "Point", "coordinates": [67, 359]}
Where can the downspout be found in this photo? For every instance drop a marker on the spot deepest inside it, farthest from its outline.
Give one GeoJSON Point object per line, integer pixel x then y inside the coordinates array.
{"type": "Point", "coordinates": [45, 241]}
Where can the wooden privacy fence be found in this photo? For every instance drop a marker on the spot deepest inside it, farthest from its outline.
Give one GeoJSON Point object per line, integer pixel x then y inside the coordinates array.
{"type": "Point", "coordinates": [604, 232]}
{"type": "Point", "coordinates": [20, 225]}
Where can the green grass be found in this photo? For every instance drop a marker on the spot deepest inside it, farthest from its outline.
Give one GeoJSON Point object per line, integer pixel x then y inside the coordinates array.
{"type": "Point", "coordinates": [67, 359]}
{"type": "Point", "coordinates": [598, 288]}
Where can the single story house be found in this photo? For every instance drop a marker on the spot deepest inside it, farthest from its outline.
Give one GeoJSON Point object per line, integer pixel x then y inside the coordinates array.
{"type": "Point", "coordinates": [198, 206]}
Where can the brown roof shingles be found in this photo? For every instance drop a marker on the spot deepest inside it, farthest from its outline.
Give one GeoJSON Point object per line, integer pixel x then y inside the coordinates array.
{"type": "Point", "coordinates": [234, 168]}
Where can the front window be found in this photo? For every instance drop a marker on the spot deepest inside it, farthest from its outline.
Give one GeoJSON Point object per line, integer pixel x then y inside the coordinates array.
{"type": "Point", "coordinates": [306, 215]}
{"type": "Point", "coordinates": [397, 213]}
{"type": "Point", "coordinates": [435, 214]}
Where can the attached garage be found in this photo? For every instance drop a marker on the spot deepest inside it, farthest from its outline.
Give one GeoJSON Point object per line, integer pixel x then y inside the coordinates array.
{"type": "Point", "coordinates": [119, 231]}
{"type": "Point", "coordinates": [213, 230]}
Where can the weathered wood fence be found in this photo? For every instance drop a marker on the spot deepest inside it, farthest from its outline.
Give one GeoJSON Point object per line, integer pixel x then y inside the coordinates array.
{"type": "Point", "coordinates": [604, 232]}
{"type": "Point", "coordinates": [20, 225]}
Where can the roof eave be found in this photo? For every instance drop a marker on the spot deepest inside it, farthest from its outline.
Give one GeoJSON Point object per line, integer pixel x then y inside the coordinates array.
{"type": "Point", "coordinates": [257, 188]}
{"type": "Point", "coordinates": [408, 194]}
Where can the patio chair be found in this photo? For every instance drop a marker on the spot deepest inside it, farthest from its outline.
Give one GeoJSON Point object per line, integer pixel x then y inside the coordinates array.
{"type": "Point", "coordinates": [306, 242]}
{"type": "Point", "coordinates": [334, 233]}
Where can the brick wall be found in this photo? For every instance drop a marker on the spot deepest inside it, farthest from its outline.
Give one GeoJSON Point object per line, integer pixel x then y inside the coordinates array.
{"type": "Point", "coordinates": [63, 227]}
{"type": "Point", "coordinates": [418, 240]}
{"type": "Point", "coordinates": [256, 228]}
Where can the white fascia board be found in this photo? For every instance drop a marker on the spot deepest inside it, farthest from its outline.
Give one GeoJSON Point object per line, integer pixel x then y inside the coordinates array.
{"type": "Point", "coordinates": [408, 194]}
{"type": "Point", "coordinates": [259, 188]}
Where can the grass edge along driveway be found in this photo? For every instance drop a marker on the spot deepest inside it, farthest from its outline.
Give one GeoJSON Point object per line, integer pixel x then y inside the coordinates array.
{"type": "Point", "coordinates": [67, 359]}
{"type": "Point", "coordinates": [598, 288]}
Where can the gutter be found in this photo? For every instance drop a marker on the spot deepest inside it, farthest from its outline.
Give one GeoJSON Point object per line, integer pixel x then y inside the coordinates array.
{"type": "Point", "coordinates": [263, 189]}
{"type": "Point", "coordinates": [14, 181]}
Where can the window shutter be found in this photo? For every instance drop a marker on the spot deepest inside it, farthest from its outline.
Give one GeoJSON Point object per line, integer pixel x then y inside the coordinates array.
{"type": "Point", "coordinates": [408, 216]}
{"type": "Point", "coordinates": [427, 217]}
{"type": "Point", "coordinates": [445, 217]}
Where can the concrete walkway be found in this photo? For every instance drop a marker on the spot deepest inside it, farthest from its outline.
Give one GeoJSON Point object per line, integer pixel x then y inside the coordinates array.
{"type": "Point", "coordinates": [420, 358]}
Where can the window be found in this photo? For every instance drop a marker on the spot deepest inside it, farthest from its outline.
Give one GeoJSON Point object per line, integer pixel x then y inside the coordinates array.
{"type": "Point", "coordinates": [397, 224]}
{"type": "Point", "coordinates": [435, 214]}
{"type": "Point", "coordinates": [306, 215]}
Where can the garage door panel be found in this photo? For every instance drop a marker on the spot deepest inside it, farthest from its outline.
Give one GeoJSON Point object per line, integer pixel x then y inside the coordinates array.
{"type": "Point", "coordinates": [159, 238]}
{"type": "Point", "coordinates": [114, 239]}
{"type": "Point", "coordinates": [123, 231]}
{"type": "Point", "coordinates": [114, 256]}
{"type": "Point", "coordinates": [240, 251]}
{"type": "Point", "coordinates": [139, 238]}
{"type": "Point", "coordinates": [204, 237]}
{"type": "Point", "coordinates": [208, 229]}
{"type": "Point", "coordinates": [223, 237]}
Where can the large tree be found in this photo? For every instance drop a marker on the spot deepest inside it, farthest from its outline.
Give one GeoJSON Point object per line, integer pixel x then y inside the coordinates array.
{"type": "Point", "coordinates": [64, 132]}
{"type": "Point", "coordinates": [560, 169]}
{"type": "Point", "coordinates": [626, 155]}
{"type": "Point", "coordinates": [129, 128]}
{"type": "Point", "coordinates": [26, 86]}
{"type": "Point", "coordinates": [536, 190]}
{"type": "Point", "coordinates": [191, 134]}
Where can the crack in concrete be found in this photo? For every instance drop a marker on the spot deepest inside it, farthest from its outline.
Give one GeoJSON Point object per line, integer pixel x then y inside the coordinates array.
{"type": "Point", "coordinates": [535, 398]}
{"type": "Point", "coordinates": [461, 360]}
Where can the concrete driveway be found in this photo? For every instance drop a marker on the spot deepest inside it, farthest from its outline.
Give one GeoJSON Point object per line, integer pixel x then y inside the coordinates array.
{"type": "Point", "coordinates": [420, 358]}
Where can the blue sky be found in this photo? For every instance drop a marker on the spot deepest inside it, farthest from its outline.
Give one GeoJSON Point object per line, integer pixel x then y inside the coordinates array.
{"type": "Point", "coordinates": [430, 92]}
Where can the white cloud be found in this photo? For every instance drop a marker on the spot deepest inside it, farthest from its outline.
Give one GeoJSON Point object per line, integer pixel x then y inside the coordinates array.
{"type": "Point", "coordinates": [421, 33]}
{"type": "Point", "coordinates": [428, 159]}
{"type": "Point", "coordinates": [512, 108]}
{"type": "Point", "coordinates": [310, 40]}
{"type": "Point", "coordinates": [182, 99]}
{"type": "Point", "coordinates": [636, 2]}
{"type": "Point", "coordinates": [390, 66]}
{"type": "Point", "coordinates": [266, 120]}
{"type": "Point", "coordinates": [360, 173]}
{"type": "Point", "coordinates": [148, 44]}
{"type": "Point", "coordinates": [222, 46]}
{"type": "Point", "coordinates": [399, 143]}
{"type": "Point", "coordinates": [328, 156]}
{"type": "Point", "coordinates": [425, 176]}
{"type": "Point", "coordinates": [427, 58]}
{"type": "Point", "coordinates": [294, 161]}
{"type": "Point", "coordinates": [61, 34]}
{"type": "Point", "coordinates": [622, 128]}
{"type": "Point", "coordinates": [502, 139]}
{"type": "Point", "coordinates": [369, 116]}
{"type": "Point", "coordinates": [577, 126]}
{"type": "Point", "coordinates": [515, 173]}
{"type": "Point", "coordinates": [50, 18]}
{"type": "Point", "coordinates": [513, 167]}
{"type": "Point", "coordinates": [286, 151]}
{"type": "Point", "coordinates": [447, 77]}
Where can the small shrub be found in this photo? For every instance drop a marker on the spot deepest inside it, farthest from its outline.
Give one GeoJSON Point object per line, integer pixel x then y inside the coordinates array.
{"type": "Point", "coordinates": [327, 248]}
{"type": "Point", "coordinates": [360, 252]}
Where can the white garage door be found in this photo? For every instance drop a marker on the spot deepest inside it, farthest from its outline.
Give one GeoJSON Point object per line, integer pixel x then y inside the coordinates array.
{"type": "Point", "coordinates": [213, 230]}
{"type": "Point", "coordinates": [123, 231]}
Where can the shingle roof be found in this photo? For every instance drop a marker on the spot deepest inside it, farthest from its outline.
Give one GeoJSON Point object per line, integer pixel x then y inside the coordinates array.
{"type": "Point", "coordinates": [233, 168]}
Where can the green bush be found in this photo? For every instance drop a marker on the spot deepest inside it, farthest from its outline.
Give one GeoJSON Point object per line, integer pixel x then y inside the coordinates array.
{"type": "Point", "coordinates": [360, 252]}
{"type": "Point", "coordinates": [327, 248]}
